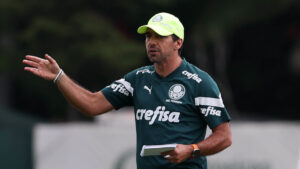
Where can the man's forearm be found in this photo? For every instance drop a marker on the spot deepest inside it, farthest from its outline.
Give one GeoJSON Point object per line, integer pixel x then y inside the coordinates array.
{"type": "Point", "coordinates": [217, 141]}
{"type": "Point", "coordinates": [84, 100]}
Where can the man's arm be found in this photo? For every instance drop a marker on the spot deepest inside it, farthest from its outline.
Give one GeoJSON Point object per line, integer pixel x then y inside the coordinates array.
{"type": "Point", "coordinates": [219, 140]}
{"type": "Point", "coordinates": [84, 100]}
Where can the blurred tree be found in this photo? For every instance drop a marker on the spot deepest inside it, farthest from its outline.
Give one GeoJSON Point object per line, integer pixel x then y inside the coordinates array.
{"type": "Point", "coordinates": [211, 31]}
{"type": "Point", "coordinates": [82, 40]}
{"type": "Point", "coordinates": [96, 42]}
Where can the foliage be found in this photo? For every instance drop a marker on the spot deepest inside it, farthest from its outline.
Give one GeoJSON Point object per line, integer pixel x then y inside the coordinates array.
{"type": "Point", "coordinates": [96, 42]}
{"type": "Point", "coordinates": [81, 39]}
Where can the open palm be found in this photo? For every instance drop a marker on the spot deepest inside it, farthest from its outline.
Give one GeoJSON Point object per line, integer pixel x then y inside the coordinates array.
{"type": "Point", "coordinates": [45, 68]}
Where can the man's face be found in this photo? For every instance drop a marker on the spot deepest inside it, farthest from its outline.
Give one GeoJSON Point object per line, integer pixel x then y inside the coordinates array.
{"type": "Point", "coordinates": [159, 47]}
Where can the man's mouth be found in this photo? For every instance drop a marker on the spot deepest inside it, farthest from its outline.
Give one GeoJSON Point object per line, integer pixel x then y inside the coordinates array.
{"type": "Point", "coordinates": [153, 51]}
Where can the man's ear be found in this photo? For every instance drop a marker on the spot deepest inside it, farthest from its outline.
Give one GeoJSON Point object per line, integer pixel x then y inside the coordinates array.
{"type": "Point", "coordinates": [178, 44]}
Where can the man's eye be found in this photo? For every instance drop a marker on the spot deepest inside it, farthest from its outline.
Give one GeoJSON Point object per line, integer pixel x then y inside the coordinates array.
{"type": "Point", "coordinates": [160, 37]}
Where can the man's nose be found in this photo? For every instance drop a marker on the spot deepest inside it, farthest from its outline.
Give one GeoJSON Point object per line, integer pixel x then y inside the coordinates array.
{"type": "Point", "coordinates": [152, 41]}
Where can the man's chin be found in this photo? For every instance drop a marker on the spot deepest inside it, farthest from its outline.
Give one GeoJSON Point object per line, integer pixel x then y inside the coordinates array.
{"type": "Point", "coordinates": [153, 59]}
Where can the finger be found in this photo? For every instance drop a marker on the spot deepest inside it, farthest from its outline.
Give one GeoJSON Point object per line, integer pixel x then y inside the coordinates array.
{"type": "Point", "coordinates": [49, 58]}
{"type": "Point", "coordinates": [34, 71]}
{"type": "Point", "coordinates": [166, 152]}
{"type": "Point", "coordinates": [167, 156]}
{"type": "Point", "coordinates": [33, 58]}
{"type": "Point", "coordinates": [171, 159]}
{"type": "Point", "coordinates": [30, 63]}
{"type": "Point", "coordinates": [171, 152]}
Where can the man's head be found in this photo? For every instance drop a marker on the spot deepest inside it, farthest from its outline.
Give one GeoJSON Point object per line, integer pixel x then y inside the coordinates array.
{"type": "Point", "coordinates": [164, 36]}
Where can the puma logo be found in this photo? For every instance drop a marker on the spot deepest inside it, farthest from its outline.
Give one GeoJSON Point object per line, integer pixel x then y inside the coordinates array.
{"type": "Point", "coordinates": [148, 89]}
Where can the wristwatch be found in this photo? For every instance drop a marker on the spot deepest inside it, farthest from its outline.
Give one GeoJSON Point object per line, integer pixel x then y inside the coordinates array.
{"type": "Point", "coordinates": [196, 152]}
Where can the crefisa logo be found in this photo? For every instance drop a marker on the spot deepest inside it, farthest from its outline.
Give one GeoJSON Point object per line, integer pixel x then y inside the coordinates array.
{"type": "Point", "coordinates": [176, 91]}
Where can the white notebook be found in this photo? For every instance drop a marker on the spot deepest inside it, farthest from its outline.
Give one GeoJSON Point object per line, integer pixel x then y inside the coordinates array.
{"type": "Point", "coordinates": [150, 150]}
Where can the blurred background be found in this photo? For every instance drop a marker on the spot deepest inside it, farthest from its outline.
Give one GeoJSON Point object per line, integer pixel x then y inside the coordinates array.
{"type": "Point", "coordinates": [250, 47]}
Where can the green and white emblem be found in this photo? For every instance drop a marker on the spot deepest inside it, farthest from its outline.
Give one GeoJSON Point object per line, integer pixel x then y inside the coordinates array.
{"type": "Point", "coordinates": [176, 91]}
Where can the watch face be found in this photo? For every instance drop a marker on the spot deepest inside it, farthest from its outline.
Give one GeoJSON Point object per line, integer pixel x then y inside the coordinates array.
{"type": "Point", "coordinates": [197, 153]}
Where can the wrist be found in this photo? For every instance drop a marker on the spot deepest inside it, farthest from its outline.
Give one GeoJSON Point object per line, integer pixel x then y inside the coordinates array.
{"type": "Point", "coordinates": [58, 76]}
{"type": "Point", "coordinates": [196, 151]}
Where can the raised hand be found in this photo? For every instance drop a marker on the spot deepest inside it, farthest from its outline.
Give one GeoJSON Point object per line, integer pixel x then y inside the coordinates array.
{"type": "Point", "coordinates": [45, 68]}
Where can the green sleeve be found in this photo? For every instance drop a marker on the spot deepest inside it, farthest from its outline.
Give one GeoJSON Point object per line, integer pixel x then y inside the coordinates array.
{"type": "Point", "coordinates": [210, 103]}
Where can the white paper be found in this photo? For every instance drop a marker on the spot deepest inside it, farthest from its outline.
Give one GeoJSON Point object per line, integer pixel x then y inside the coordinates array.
{"type": "Point", "coordinates": [150, 150]}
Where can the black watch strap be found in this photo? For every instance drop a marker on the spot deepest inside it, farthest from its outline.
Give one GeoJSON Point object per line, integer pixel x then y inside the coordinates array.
{"type": "Point", "coordinates": [196, 152]}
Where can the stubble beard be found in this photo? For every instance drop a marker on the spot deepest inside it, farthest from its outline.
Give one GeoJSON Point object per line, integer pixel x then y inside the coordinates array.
{"type": "Point", "coordinates": [158, 58]}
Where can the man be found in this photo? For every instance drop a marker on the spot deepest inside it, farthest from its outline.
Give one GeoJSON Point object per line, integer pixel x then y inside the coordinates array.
{"type": "Point", "coordinates": [173, 100]}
